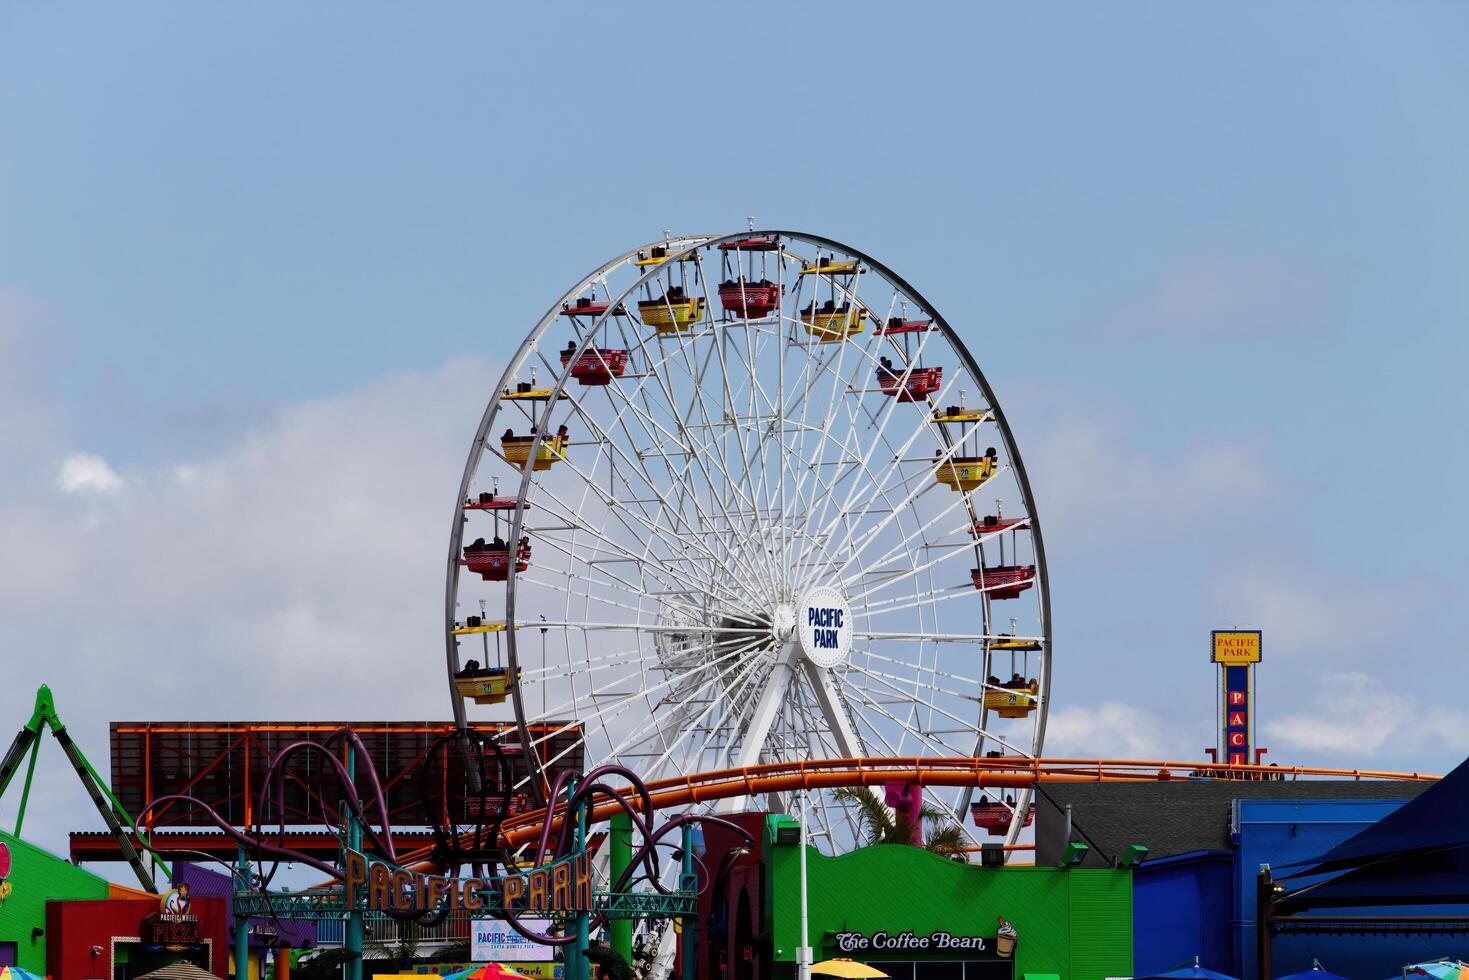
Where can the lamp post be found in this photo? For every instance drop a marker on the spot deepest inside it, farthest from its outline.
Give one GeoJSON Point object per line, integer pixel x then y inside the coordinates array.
{"type": "Point", "coordinates": [803, 951]}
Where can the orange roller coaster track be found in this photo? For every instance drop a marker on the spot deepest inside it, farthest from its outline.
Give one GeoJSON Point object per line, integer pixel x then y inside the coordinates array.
{"type": "Point", "coordinates": [1006, 773]}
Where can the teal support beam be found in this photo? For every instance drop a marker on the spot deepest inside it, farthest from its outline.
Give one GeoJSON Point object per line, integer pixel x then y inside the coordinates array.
{"type": "Point", "coordinates": [584, 917]}
{"type": "Point", "coordinates": [619, 841]}
{"type": "Point", "coordinates": [689, 882]}
{"type": "Point", "coordinates": [355, 924]}
{"type": "Point", "coordinates": [242, 926]}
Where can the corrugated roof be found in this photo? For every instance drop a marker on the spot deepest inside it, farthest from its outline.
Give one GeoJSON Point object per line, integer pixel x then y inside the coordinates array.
{"type": "Point", "coordinates": [1173, 817]}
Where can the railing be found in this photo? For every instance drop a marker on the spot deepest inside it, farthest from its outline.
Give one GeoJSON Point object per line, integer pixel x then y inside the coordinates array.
{"type": "Point", "coordinates": [379, 927]}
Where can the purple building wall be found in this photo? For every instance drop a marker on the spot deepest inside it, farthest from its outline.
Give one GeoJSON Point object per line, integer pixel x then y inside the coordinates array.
{"type": "Point", "coordinates": [204, 882]}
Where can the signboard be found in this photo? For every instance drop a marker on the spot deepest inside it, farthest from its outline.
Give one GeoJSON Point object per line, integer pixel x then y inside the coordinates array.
{"type": "Point", "coordinates": [563, 886]}
{"type": "Point", "coordinates": [4, 871]}
{"type": "Point", "coordinates": [902, 944]}
{"type": "Point", "coordinates": [494, 941]}
{"type": "Point", "coordinates": [536, 971]}
{"type": "Point", "coordinates": [1237, 708]}
{"type": "Point", "coordinates": [824, 626]}
{"type": "Point", "coordinates": [1235, 648]}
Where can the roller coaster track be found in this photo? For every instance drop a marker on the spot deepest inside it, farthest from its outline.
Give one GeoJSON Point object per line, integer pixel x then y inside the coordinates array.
{"type": "Point", "coordinates": [1003, 773]}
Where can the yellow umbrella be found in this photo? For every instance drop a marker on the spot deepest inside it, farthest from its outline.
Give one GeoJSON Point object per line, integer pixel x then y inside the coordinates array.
{"type": "Point", "coordinates": [843, 967]}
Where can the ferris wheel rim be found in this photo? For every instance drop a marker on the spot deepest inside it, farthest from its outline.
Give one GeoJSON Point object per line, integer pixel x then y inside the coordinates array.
{"type": "Point", "coordinates": [689, 246]}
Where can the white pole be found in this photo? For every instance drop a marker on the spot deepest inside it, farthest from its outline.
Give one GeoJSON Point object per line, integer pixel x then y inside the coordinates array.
{"type": "Point", "coordinates": [803, 952]}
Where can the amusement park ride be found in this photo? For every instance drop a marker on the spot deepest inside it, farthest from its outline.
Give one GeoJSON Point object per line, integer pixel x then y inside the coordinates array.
{"type": "Point", "coordinates": [766, 509]}
{"type": "Point", "coordinates": [743, 526]}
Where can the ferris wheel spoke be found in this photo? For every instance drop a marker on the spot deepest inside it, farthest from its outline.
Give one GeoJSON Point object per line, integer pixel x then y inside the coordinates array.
{"type": "Point", "coordinates": [666, 573]}
{"type": "Point", "coordinates": [645, 420]}
{"type": "Point", "coordinates": [889, 412]}
{"type": "Point", "coordinates": [876, 487]}
{"type": "Point", "coordinates": [924, 485]}
{"type": "Point", "coordinates": [684, 724]}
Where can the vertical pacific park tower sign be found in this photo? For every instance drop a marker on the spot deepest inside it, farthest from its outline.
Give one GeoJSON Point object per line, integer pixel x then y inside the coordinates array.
{"type": "Point", "coordinates": [564, 886]}
{"type": "Point", "coordinates": [1236, 652]}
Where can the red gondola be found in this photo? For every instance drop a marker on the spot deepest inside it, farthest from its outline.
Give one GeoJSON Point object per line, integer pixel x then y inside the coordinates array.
{"type": "Point", "coordinates": [899, 325]}
{"type": "Point", "coordinates": [585, 306]}
{"type": "Point", "coordinates": [491, 562]}
{"type": "Point", "coordinates": [921, 382]}
{"type": "Point", "coordinates": [751, 300]}
{"type": "Point", "coordinates": [991, 524]}
{"type": "Point", "coordinates": [1003, 581]}
{"type": "Point", "coordinates": [488, 501]}
{"type": "Point", "coordinates": [755, 243]}
{"type": "Point", "coordinates": [994, 818]}
{"type": "Point", "coordinates": [597, 365]}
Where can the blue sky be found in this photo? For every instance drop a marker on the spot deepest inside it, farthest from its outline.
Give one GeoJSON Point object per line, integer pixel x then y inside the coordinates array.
{"type": "Point", "coordinates": [259, 266]}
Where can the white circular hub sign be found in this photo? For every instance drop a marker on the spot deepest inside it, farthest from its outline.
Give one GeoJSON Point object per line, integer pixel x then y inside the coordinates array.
{"type": "Point", "coordinates": [824, 624]}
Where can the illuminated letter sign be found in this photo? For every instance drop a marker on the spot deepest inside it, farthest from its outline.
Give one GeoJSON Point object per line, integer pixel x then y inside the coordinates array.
{"type": "Point", "coordinates": [1237, 715]}
{"type": "Point", "coordinates": [1235, 648]}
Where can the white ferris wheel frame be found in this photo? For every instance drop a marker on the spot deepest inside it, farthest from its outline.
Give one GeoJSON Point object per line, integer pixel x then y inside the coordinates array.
{"type": "Point", "coordinates": [677, 250]}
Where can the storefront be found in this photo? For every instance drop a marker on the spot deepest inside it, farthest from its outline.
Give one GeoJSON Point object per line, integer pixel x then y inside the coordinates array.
{"type": "Point", "coordinates": [29, 877]}
{"type": "Point", "coordinates": [919, 916]}
{"type": "Point", "coordinates": [121, 939]}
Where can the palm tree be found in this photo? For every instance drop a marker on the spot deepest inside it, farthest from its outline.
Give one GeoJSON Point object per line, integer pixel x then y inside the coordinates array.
{"type": "Point", "coordinates": [886, 826]}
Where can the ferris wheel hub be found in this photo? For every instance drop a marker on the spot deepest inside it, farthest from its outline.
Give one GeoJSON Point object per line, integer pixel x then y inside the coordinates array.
{"type": "Point", "coordinates": [783, 621]}
{"type": "Point", "coordinates": [824, 625]}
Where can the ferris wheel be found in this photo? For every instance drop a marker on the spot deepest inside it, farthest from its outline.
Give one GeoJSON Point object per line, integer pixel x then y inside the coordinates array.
{"type": "Point", "coordinates": [744, 499]}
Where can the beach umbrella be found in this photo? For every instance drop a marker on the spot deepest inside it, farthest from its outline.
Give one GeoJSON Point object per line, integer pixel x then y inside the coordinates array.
{"type": "Point", "coordinates": [490, 971]}
{"type": "Point", "coordinates": [1315, 973]}
{"type": "Point", "coordinates": [1194, 972]}
{"type": "Point", "coordinates": [1438, 970]}
{"type": "Point", "coordinates": [847, 968]}
{"type": "Point", "coordinates": [16, 973]}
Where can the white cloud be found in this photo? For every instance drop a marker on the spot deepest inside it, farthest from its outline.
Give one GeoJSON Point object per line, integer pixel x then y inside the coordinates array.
{"type": "Point", "coordinates": [1306, 612]}
{"type": "Point", "coordinates": [87, 473]}
{"type": "Point", "coordinates": [1095, 484]}
{"type": "Point", "coordinates": [1355, 715]}
{"type": "Point", "coordinates": [1111, 730]}
{"type": "Point", "coordinates": [1218, 294]}
{"type": "Point", "coordinates": [297, 573]}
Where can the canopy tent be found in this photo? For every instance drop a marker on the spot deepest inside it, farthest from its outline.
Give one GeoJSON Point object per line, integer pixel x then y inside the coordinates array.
{"type": "Point", "coordinates": [1192, 972]}
{"type": "Point", "coordinates": [1429, 823]}
{"type": "Point", "coordinates": [182, 970]}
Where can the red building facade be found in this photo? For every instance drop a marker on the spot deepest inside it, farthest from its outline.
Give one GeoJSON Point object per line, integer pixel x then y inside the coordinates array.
{"type": "Point", "coordinates": [112, 939]}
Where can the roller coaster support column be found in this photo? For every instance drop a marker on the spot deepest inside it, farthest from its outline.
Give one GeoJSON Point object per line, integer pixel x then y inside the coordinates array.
{"type": "Point", "coordinates": [803, 952]}
{"type": "Point", "coordinates": [242, 925]}
{"type": "Point", "coordinates": [353, 943]}
{"type": "Point", "coordinates": [576, 960]}
{"type": "Point", "coordinates": [689, 882]}
{"type": "Point", "coordinates": [619, 841]}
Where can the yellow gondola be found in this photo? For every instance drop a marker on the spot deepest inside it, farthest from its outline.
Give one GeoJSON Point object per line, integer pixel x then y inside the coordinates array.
{"type": "Point", "coordinates": [491, 686]}
{"type": "Point", "coordinates": [525, 393]}
{"type": "Point", "coordinates": [829, 325]}
{"type": "Point", "coordinates": [1012, 703]}
{"type": "Point", "coordinates": [966, 472]}
{"type": "Point", "coordinates": [955, 413]}
{"type": "Point", "coordinates": [658, 255]}
{"type": "Point", "coordinates": [826, 267]}
{"type": "Point", "coordinates": [477, 625]}
{"type": "Point", "coordinates": [517, 451]}
{"type": "Point", "coordinates": [1016, 643]}
{"type": "Point", "coordinates": [671, 315]}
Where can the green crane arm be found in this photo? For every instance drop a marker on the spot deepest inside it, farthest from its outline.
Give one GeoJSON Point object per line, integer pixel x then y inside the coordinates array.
{"type": "Point", "coordinates": [28, 740]}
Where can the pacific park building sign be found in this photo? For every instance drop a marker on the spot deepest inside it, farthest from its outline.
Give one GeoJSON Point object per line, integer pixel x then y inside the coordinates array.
{"type": "Point", "coordinates": [564, 886]}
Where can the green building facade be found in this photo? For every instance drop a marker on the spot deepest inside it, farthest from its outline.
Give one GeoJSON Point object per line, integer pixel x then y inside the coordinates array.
{"type": "Point", "coordinates": [892, 905]}
{"type": "Point", "coordinates": [35, 877]}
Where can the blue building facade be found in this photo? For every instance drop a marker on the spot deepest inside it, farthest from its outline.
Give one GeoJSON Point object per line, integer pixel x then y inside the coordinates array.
{"type": "Point", "coordinates": [1203, 903]}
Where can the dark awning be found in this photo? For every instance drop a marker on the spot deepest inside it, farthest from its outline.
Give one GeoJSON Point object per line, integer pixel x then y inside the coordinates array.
{"type": "Point", "coordinates": [1432, 822]}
